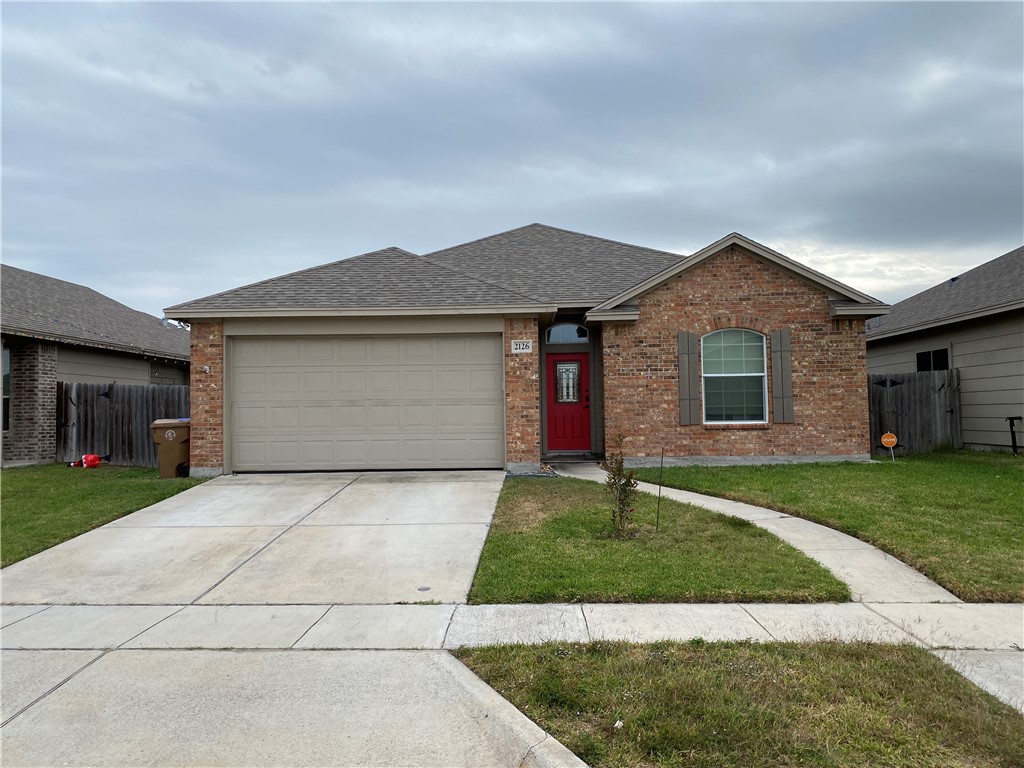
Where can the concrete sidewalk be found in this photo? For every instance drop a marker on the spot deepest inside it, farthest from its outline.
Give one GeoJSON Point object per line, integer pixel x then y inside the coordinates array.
{"type": "Point", "coordinates": [982, 641]}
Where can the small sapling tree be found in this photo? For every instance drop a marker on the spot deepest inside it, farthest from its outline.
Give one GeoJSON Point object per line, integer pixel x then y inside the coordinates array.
{"type": "Point", "coordinates": [621, 484]}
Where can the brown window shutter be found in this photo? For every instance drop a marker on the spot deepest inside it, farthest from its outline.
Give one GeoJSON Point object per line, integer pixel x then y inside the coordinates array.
{"type": "Point", "coordinates": [689, 378]}
{"type": "Point", "coordinates": [782, 377]}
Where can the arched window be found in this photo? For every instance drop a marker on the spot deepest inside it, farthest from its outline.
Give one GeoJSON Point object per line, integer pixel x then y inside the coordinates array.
{"type": "Point", "coordinates": [733, 370]}
{"type": "Point", "coordinates": [568, 333]}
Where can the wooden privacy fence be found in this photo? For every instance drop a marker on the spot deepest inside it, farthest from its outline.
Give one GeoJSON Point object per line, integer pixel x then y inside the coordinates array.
{"type": "Point", "coordinates": [115, 419]}
{"type": "Point", "coordinates": [921, 409]}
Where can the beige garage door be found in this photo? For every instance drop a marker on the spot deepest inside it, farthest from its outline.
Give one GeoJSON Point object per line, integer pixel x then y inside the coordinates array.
{"type": "Point", "coordinates": [409, 402]}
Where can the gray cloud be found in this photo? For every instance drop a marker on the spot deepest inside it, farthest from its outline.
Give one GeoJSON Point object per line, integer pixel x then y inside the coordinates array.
{"type": "Point", "coordinates": [159, 152]}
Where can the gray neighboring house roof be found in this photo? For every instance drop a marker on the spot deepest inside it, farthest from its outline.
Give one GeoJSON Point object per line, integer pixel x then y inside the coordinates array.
{"type": "Point", "coordinates": [995, 286]}
{"type": "Point", "coordinates": [532, 269]}
{"type": "Point", "coordinates": [44, 307]}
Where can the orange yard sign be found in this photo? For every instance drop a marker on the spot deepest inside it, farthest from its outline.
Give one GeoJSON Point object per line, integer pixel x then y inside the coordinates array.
{"type": "Point", "coordinates": [889, 440]}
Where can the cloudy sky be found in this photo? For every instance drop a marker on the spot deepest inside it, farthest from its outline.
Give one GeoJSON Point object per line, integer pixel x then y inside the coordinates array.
{"type": "Point", "coordinates": [162, 152]}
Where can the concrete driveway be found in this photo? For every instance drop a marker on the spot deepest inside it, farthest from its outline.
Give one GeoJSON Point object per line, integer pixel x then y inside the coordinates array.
{"type": "Point", "coordinates": [319, 539]}
{"type": "Point", "coordinates": [111, 639]}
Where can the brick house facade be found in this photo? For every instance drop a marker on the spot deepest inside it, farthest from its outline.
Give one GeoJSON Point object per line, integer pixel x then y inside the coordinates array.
{"type": "Point", "coordinates": [829, 374]}
{"type": "Point", "coordinates": [31, 434]}
{"type": "Point", "coordinates": [206, 394]}
{"type": "Point", "coordinates": [630, 364]}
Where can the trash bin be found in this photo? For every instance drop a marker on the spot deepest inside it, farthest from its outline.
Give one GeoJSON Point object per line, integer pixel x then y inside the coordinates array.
{"type": "Point", "coordinates": [171, 438]}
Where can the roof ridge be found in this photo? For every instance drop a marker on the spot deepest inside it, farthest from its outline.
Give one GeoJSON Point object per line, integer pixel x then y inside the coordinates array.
{"type": "Point", "coordinates": [292, 274]}
{"type": "Point", "coordinates": [677, 256]}
{"type": "Point", "coordinates": [481, 280]}
{"type": "Point", "coordinates": [558, 229]}
{"type": "Point", "coordinates": [482, 239]}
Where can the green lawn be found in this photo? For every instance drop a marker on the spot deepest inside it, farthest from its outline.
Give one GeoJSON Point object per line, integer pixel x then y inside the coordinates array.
{"type": "Point", "coordinates": [45, 505]}
{"type": "Point", "coordinates": [551, 542]}
{"type": "Point", "coordinates": [713, 705]}
{"type": "Point", "coordinates": [958, 517]}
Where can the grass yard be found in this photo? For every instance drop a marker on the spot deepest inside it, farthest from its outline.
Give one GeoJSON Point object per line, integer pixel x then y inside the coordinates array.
{"type": "Point", "coordinates": [551, 542]}
{"type": "Point", "coordinates": [45, 505]}
{"type": "Point", "coordinates": [958, 517]}
{"type": "Point", "coordinates": [711, 705]}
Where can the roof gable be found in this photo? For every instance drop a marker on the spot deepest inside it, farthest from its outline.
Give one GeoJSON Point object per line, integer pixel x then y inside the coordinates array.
{"type": "Point", "coordinates": [389, 278]}
{"type": "Point", "coordinates": [44, 307]}
{"type": "Point", "coordinates": [845, 300]}
{"type": "Point", "coordinates": [995, 286]}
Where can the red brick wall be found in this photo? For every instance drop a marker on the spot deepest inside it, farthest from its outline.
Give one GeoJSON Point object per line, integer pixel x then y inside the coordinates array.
{"type": "Point", "coordinates": [206, 447]}
{"type": "Point", "coordinates": [522, 394]}
{"type": "Point", "coordinates": [734, 289]}
{"type": "Point", "coordinates": [32, 436]}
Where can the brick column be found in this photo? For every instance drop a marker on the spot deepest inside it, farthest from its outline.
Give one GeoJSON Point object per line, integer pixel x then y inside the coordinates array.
{"type": "Point", "coordinates": [206, 395]}
{"type": "Point", "coordinates": [33, 434]}
{"type": "Point", "coordinates": [522, 398]}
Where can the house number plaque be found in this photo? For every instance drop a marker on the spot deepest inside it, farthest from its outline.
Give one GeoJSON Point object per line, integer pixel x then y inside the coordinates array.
{"type": "Point", "coordinates": [522, 346]}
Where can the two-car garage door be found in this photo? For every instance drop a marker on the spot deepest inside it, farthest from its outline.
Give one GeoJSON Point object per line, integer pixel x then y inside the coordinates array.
{"type": "Point", "coordinates": [373, 402]}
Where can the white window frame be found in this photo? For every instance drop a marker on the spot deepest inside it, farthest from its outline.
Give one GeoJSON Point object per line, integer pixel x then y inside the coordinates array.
{"type": "Point", "coordinates": [763, 375]}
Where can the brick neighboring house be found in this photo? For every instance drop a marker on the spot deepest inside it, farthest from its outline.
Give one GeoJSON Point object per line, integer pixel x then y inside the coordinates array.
{"type": "Point", "coordinates": [527, 346]}
{"type": "Point", "coordinates": [52, 330]}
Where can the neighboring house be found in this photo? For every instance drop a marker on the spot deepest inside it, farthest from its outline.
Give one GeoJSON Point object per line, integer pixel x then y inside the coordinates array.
{"type": "Point", "coordinates": [525, 346]}
{"type": "Point", "coordinates": [974, 322]}
{"type": "Point", "coordinates": [51, 331]}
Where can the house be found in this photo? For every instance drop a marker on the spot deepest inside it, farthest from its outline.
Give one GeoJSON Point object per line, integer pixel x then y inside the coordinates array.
{"type": "Point", "coordinates": [975, 323]}
{"type": "Point", "coordinates": [525, 346]}
{"type": "Point", "coordinates": [52, 330]}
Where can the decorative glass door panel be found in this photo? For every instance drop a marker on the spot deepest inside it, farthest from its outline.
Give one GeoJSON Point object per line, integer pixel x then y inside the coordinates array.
{"type": "Point", "coordinates": [568, 402]}
{"type": "Point", "coordinates": [567, 382]}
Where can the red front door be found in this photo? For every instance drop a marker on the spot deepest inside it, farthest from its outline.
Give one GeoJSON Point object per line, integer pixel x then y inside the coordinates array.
{"type": "Point", "coordinates": [568, 402]}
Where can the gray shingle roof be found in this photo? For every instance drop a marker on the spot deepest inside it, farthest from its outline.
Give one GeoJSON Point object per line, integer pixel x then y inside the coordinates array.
{"type": "Point", "coordinates": [994, 284]}
{"type": "Point", "coordinates": [45, 307]}
{"type": "Point", "coordinates": [386, 278]}
{"type": "Point", "coordinates": [556, 265]}
{"type": "Point", "coordinates": [532, 266]}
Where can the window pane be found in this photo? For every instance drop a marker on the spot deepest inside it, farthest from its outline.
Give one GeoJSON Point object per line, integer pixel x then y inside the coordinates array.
{"type": "Point", "coordinates": [568, 333]}
{"type": "Point", "coordinates": [924, 361]}
{"type": "Point", "coordinates": [940, 360]}
{"type": "Point", "coordinates": [733, 351]}
{"type": "Point", "coordinates": [734, 398]}
{"type": "Point", "coordinates": [567, 382]}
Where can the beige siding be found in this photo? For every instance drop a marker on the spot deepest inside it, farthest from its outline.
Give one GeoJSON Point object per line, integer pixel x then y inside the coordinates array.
{"type": "Point", "coordinates": [990, 356]}
{"type": "Point", "coordinates": [361, 326]}
{"type": "Point", "coordinates": [162, 373]}
{"type": "Point", "coordinates": [96, 367]}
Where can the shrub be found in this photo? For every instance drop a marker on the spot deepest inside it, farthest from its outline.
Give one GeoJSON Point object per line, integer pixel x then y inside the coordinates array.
{"type": "Point", "coordinates": [621, 484]}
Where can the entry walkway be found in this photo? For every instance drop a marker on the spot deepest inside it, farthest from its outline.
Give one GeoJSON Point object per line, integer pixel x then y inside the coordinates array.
{"type": "Point", "coordinates": [872, 575]}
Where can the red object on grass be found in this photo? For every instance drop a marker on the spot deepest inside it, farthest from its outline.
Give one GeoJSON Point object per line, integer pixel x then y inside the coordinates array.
{"type": "Point", "coordinates": [88, 461]}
